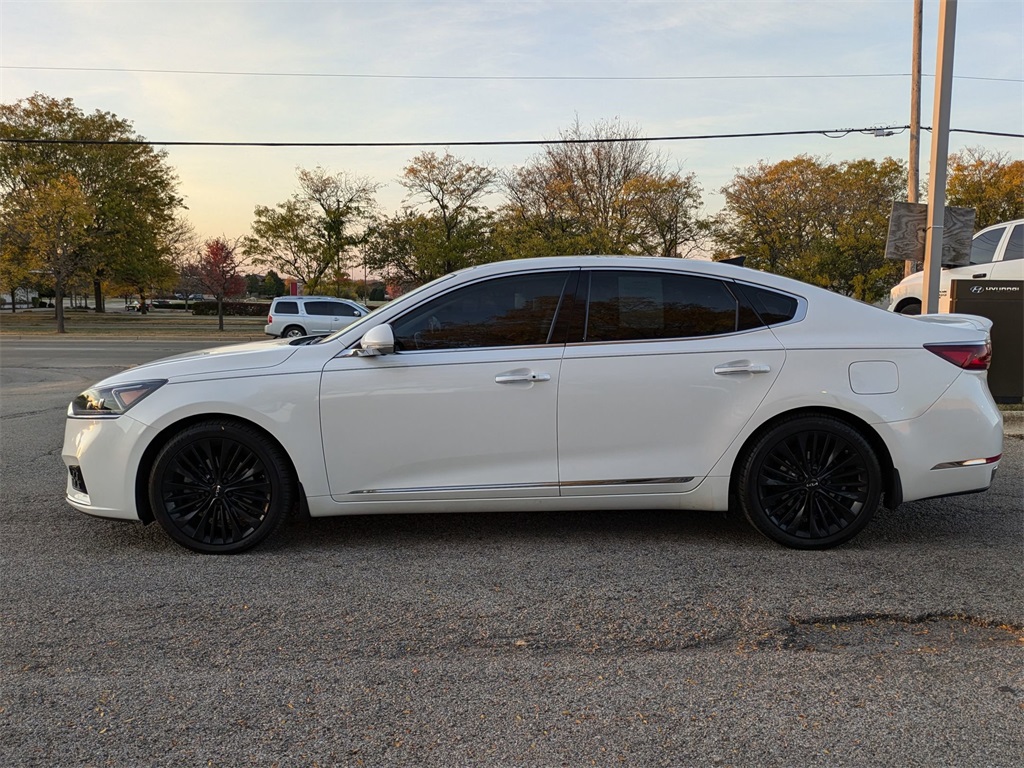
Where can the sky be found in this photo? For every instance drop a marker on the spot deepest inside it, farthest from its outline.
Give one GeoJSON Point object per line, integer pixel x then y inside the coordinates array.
{"type": "Point", "coordinates": [445, 72]}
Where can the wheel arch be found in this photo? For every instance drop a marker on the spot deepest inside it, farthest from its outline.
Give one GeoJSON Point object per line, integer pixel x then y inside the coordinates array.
{"type": "Point", "coordinates": [142, 506]}
{"type": "Point", "coordinates": [892, 493]}
{"type": "Point", "coordinates": [905, 303]}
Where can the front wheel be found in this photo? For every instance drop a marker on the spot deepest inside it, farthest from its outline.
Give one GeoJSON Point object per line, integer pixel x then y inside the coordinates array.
{"type": "Point", "coordinates": [811, 482]}
{"type": "Point", "coordinates": [911, 308]}
{"type": "Point", "coordinates": [220, 487]}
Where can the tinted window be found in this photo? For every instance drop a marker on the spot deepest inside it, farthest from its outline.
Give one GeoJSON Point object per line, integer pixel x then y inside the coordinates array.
{"type": "Point", "coordinates": [983, 247]}
{"type": "Point", "coordinates": [1015, 248]}
{"type": "Point", "coordinates": [321, 307]}
{"type": "Point", "coordinates": [344, 310]}
{"type": "Point", "coordinates": [628, 306]}
{"type": "Point", "coordinates": [507, 311]}
{"type": "Point", "coordinates": [771, 306]}
{"type": "Point", "coordinates": [286, 308]}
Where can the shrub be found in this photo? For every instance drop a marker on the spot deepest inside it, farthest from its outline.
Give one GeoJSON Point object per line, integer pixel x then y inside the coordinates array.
{"type": "Point", "coordinates": [232, 308]}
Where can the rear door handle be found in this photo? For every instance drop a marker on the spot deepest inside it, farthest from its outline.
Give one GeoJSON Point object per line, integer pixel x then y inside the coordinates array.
{"type": "Point", "coordinates": [727, 369]}
{"type": "Point", "coordinates": [513, 377]}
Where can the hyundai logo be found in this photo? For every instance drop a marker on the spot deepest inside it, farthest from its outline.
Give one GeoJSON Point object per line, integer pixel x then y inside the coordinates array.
{"type": "Point", "coordinates": [977, 289]}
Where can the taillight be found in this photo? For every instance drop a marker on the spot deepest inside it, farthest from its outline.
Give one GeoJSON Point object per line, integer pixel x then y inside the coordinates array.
{"type": "Point", "coordinates": [270, 319]}
{"type": "Point", "coordinates": [970, 357]}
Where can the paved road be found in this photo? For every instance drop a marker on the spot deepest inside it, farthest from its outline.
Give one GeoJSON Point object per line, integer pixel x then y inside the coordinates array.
{"type": "Point", "coordinates": [522, 639]}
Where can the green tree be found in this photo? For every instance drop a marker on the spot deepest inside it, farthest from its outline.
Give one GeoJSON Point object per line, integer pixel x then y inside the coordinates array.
{"type": "Point", "coordinates": [990, 182]}
{"type": "Point", "coordinates": [130, 189]}
{"type": "Point", "coordinates": [446, 227]}
{"type": "Point", "coordinates": [821, 222]}
{"type": "Point", "coordinates": [316, 231]}
{"type": "Point", "coordinates": [273, 285]}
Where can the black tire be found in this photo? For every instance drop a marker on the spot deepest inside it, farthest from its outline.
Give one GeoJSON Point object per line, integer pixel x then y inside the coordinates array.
{"type": "Point", "coordinates": [810, 482]}
{"type": "Point", "coordinates": [913, 308]}
{"type": "Point", "coordinates": [220, 487]}
{"type": "Point", "coordinates": [293, 332]}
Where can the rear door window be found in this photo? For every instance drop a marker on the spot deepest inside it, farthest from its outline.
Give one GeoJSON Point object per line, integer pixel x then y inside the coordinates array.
{"type": "Point", "coordinates": [627, 305]}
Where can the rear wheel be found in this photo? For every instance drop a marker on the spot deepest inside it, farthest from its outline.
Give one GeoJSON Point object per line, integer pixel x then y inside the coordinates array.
{"type": "Point", "coordinates": [811, 482]}
{"type": "Point", "coordinates": [220, 487]}
{"type": "Point", "coordinates": [911, 308]}
{"type": "Point", "coordinates": [293, 332]}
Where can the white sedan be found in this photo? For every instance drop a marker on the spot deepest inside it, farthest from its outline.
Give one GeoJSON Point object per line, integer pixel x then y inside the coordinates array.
{"type": "Point", "coordinates": [554, 384]}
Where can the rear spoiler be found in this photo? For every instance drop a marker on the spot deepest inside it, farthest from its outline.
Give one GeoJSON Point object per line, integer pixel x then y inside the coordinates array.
{"type": "Point", "coordinates": [973, 322]}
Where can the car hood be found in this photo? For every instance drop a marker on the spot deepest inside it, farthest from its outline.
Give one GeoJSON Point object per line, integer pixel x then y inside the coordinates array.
{"type": "Point", "coordinates": [217, 360]}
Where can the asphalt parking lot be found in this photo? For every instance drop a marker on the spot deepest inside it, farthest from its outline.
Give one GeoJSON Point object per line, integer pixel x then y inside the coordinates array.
{"type": "Point", "coordinates": [645, 639]}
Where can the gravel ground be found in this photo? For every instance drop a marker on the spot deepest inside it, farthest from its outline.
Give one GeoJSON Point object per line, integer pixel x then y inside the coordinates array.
{"type": "Point", "coordinates": [645, 639]}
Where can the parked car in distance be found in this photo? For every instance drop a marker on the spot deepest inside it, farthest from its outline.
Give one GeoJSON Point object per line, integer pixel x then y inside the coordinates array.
{"type": "Point", "coordinates": [134, 306]}
{"type": "Point", "coordinates": [294, 316]}
{"type": "Point", "coordinates": [997, 253]}
{"type": "Point", "coordinates": [554, 384]}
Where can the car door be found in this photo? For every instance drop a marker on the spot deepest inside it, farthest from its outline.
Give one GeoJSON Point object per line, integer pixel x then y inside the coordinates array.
{"type": "Point", "coordinates": [1011, 266]}
{"type": "Point", "coordinates": [659, 377]}
{"type": "Point", "coordinates": [319, 316]}
{"type": "Point", "coordinates": [465, 408]}
{"type": "Point", "coordinates": [343, 315]}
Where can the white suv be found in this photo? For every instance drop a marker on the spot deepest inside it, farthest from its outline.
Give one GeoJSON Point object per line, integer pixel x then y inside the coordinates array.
{"type": "Point", "coordinates": [294, 316]}
{"type": "Point", "coordinates": [997, 253]}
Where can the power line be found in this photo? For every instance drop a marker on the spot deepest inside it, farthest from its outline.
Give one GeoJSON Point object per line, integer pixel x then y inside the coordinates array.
{"type": "Point", "coordinates": [499, 78]}
{"type": "Point", "coordinates": [831, 134]}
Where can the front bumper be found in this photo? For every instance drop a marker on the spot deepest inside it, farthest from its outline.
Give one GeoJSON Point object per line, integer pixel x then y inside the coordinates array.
{"type": "Point", "coordinates": [107, 453]}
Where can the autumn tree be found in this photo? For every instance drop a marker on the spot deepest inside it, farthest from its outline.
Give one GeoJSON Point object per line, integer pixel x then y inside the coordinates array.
{"type": "Point", "coordinates": [216, 270]}
{"type": "Point", "coordinates": [444, 225]}
{"type": "Point", "coordinates": [45, 228]}
{"type": "Point", "coordinates": [990, 182]}
{"type": "Point", "coordinates": [601, 189]}
{"type": "Point", "coordinates": [317, 230]}
{"type": "Point", "coordinates": [130, 190]}
{"type": "Point", "coordinates": [821, 222]}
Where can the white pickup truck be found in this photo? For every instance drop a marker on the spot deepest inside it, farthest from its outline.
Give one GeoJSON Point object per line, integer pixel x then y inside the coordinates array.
{"type": "Point", "coordinates": [997, 253]}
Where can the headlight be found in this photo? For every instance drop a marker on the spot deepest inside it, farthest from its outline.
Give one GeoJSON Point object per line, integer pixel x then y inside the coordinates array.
{"type": "Point", "coordinates": [112, 401]}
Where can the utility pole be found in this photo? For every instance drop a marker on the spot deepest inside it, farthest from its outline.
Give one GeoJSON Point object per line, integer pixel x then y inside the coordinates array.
{"type": "Point", "coordinates": [939, 157]}
{"type": "Point", "coordinates": [913, 167]}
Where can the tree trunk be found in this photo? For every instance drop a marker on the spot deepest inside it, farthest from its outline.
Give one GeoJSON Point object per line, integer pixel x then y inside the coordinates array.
{"type": "Point", "coordinates": [60, 307]}
{"type": "Point", "coordinates": [97, 290]}
{"type": "Point", "coordinates": [220, 313]}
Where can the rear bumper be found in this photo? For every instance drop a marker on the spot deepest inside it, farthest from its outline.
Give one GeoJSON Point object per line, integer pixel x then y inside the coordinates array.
{"type": "Point", "coordinates": [952, 448]}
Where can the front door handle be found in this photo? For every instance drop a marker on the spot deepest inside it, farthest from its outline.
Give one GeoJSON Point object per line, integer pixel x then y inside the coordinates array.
{"type": "Point", "coordinates": [742, 366]}
{"type": "Point", "coordinates": [514, 377]}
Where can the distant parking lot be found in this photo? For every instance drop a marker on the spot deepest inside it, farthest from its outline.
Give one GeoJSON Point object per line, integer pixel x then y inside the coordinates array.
{"type": "Point", "coordinates": [507, 639]}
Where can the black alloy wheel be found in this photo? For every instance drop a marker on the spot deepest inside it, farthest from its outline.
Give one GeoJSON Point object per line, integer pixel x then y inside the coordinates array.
{"type": "Point", "coordinates": [811, 482]}
{"type": "Point", "coordinates": [220, 487]}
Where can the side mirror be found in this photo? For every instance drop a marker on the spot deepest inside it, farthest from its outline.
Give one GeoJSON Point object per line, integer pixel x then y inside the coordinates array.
{"type": "Point", "coordinates": [379, 340]}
